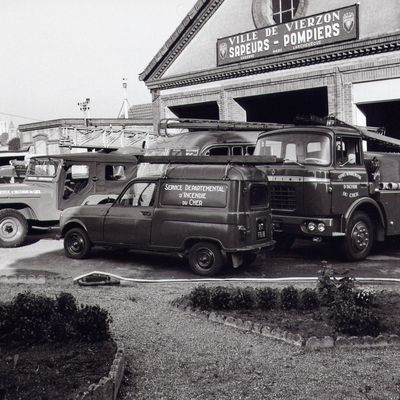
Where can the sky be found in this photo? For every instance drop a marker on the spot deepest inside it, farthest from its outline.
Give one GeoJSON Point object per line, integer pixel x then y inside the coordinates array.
{"type": "Point", "coordinates": [56, 53]}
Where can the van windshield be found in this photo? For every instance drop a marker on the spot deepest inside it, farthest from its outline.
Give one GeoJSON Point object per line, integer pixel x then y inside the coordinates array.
{"type": "Point", "coordinates": [305, 148]}
{"type": "Point", "coordinates": [43, 168]}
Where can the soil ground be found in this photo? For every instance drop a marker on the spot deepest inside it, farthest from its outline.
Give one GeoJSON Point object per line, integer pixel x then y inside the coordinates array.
{"type": "Point", "coordinates": [57, 371]}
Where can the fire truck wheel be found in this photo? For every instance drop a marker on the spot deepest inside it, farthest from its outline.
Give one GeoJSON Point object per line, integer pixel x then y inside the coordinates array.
{"type": "Point", "coordinates": [77, 244]}
{"type": "Point", "coordinates": [13, 228]}
{"type": "Point", "coordinates": [205, 259]}
{"type": "Point", "coordinates": [359, 237]}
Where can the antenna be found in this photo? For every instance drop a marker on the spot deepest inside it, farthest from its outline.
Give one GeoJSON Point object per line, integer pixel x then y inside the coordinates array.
{"type": "Point", "coordinates": [125, 104]}
{"type": "Point", "coordinates": [84, 107]}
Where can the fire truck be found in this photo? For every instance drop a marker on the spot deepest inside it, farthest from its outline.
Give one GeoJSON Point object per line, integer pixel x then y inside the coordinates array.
{"type": "Point", "coordinates": [330, 187]}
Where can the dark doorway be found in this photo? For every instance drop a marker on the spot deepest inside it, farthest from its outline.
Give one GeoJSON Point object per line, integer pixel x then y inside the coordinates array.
{"type": "Point", "coordinates": [285, 107]}
{"type": "Point", "coordinates": [384, 114]}
{"type": "Point", "coordinates": [209, 110]}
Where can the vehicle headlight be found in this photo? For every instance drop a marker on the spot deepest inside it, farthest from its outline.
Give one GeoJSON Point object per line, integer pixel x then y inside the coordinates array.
{"type": "Point", "coordinates": [321, 227]}
{"type": "Point", "coordinates": [312, 226]}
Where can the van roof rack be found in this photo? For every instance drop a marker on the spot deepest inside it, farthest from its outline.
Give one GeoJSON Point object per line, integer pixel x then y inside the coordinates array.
{"type": "Point", "coordinates": [184, 125]}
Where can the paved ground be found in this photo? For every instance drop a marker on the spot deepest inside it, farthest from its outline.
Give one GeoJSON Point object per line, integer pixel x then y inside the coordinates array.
{"type": "Point", "coordinates": [46, 258]}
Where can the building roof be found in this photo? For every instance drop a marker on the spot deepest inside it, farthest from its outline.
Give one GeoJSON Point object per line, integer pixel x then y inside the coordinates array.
{"type": "Point", "coordinates": [199, 13]}
{"type": "Point", "coordinates": [141, 112]}
{"type": "Point", "coordinates": [203, 10]}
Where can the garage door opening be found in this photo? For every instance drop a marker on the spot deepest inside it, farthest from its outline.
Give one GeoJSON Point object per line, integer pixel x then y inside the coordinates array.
{"type": "Point", "coordinates": [209, 110]}
{"type": "Point", "coordinates": [383, 114]}
{"type": "Point", "coordinates": [285, 107]}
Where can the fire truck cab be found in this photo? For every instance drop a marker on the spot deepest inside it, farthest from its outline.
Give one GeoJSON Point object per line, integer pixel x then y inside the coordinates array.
{"type": "Point", "coordinates": [328, 187]}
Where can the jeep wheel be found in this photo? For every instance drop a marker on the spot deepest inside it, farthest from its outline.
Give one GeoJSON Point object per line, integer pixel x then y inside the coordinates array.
{"type": "Point", "coordinates": [359, 237]}
{"type": "Point", "coordinates": [13, 228]}
{"type": "Point", "coordinates": [205, 259]}
{"type": "Point", "coordinates": [77, 244]}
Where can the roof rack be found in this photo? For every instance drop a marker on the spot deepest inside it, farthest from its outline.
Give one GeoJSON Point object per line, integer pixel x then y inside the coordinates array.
{"type": "Point", "coordinates": [184, 125]}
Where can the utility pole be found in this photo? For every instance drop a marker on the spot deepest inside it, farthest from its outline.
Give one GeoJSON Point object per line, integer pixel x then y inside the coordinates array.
{"type": "Point", "coordinates": [125, 104]}
{"type": "Point", "coordinates": [85, 108]}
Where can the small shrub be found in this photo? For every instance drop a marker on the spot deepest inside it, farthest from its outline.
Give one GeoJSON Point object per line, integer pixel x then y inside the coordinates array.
{"type": "Point", "coordinates": [351, 319]}
{"type": "Point", "coordinates": [309, 299]}
{"type": "Point", "coordinates": [267, 298]}
{"type": "Point", "coordinates": [6, 320]}
{"type": "Point", "coordinates": [32, 317]}
{"type": "Point", "coordinates": [344, 289]}
{"type": "Point", "coordinates": [289, 298]}
{"type": "Point", "coordinates": [326, 287]}
{"type": "Point", "coordinates": [200, 297]}
{"type": "Point", "coordinates": [242, 298]}
{"type": "Point", "coordinates": [220, 298]}
{"type": "Point", "coordinates": [363, 298]}
{"type": "Point", "coordinates": [92, 323]}
{"type": "Point", "coordinates": [66, 305]}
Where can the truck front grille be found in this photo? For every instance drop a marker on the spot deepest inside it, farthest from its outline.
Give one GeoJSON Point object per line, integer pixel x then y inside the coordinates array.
{"type": "Point", "coordinates": [283, 198]}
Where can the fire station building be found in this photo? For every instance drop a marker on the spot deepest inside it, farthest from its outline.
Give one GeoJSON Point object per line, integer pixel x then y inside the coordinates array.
{"type": "Point", "coordinates": [271, 60]}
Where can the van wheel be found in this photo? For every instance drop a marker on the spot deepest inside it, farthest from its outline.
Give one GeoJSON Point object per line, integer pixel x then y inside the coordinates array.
{"type": "Point", "coordinates": [359, 237]}
{"type": "Point", "coordinates": [13, 228]}
{"type": "Point", "coordinates": [205, 259]}
{"type": "Point", "coordinates": [77, 244]}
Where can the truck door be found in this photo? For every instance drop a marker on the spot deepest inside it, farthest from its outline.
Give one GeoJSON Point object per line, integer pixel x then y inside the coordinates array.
{"type": "Point", "coordinates": [76, 184]}
{"type": "Point", "coordinates": [128, 221]}
{"type": "Point", "coordinates": [349, 178]}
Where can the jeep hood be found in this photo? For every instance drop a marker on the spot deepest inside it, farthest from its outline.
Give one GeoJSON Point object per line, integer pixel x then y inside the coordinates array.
{"type": "Point", "coordinates": [20, 190]}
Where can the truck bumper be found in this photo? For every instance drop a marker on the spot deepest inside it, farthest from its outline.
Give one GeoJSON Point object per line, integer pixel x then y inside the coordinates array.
{"type": "Point", "coordinates": [252, 248]}
{"type": "Point", "coordinates": [300, 226]}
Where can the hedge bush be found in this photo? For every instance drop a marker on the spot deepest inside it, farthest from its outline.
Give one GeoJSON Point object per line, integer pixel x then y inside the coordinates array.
{"type": "Point", "coordinates": [38, 319]}
{"type": "Point", "coordinates": [289, 298]}
{"type": "Point", "coordinates": [309, 299]}
{"type": "Point", "coordinates": [267, 298]}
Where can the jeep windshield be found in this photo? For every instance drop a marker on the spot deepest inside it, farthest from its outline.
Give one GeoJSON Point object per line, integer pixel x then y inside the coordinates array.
{"type": "Point", "coordinates": [42, 168]}
{"type": "Point", "coordinates": [303, 148]}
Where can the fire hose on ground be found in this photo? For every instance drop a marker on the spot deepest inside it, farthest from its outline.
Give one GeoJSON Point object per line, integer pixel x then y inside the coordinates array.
{"type": "Point", "coordinates": [99, 278]}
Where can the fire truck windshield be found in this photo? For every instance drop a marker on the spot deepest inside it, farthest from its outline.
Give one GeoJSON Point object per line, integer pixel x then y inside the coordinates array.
{"type": "Point", "coordinates": [42, 168]}
{"type": "Point", "coordinates": [297, 147]}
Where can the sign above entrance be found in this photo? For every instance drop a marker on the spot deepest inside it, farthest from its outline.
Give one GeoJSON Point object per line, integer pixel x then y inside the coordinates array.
{"type": "Point", "coordinates": [317, 30]}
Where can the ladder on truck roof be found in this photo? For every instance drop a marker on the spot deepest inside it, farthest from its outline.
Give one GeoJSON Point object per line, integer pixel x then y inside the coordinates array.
{"type": "Point", "coordinates": [103, 138]}
{"type": "Point", "coordinates": [184, 125]}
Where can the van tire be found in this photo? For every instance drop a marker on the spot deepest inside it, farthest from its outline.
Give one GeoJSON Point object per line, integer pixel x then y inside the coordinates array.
{"type": "Point", "coordinates": [205, 259]}
{"type": "Point", "coordinates": [13, 228]}
{"type": "Point", "coordinates": [359, 237]}
{"type": "Point", "coordinates": [77, 244]}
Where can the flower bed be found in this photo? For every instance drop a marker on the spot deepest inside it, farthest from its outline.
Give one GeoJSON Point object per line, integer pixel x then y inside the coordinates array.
{"type": "Point", "coordinates": [334, 309]}
{"type": "Point", "coordinates": [53, 348]}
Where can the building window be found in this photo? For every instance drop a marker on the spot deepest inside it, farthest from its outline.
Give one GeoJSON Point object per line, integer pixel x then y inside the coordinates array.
{"type": "Point", "coordinates": [284, 10]}
{"type": "Point", "coordinates": [272, 12]}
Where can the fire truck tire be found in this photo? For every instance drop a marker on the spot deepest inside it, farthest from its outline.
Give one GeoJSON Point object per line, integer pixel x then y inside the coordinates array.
{"type": "Point", "coordinates": [205, 259]}
{"type": "Point", "coordinates": [284, 241]}
{"type": "Point", "coordinates": [13, 228]}
{"type": "Point", "coordinates": [359, 237]}
{"type": "Point", "coordinates": [77, 244]}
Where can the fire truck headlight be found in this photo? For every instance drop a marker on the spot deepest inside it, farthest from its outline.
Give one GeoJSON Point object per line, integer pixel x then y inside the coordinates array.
{"type": "Point", "coordinates": [312, 226]}
{"type": "Point", "coordinates": [321, 227]}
